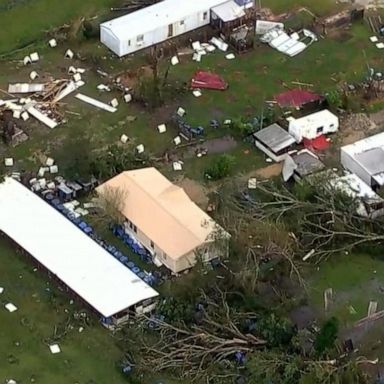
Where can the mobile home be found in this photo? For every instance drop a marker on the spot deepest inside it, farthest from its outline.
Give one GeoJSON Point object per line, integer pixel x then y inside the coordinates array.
{"type": "Point", "coordinates": [312, 126]}
{"type": "Point", "coordinates": [155, 24]}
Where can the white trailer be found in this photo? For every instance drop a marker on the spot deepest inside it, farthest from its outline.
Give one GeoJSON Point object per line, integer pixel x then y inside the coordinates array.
{"type": "Point", "coordinates": [155, 24]}
{"type": "Point", "coordinates": [314, 125]}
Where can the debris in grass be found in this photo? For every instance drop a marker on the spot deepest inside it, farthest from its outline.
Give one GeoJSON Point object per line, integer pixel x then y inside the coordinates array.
{"type": "Point", "coordinates": [196, 45]}
{"type": "Point", "coordinates": [27, 60]}
{"type": "Point", "coordinates": [140, 148]}
{"type": "Point", "coordinates": [103, 87]}
{"type": "Point", "coordinates": [197, 93]}
{"type": "Point", "coordinates": [8, 162]}
{"type": "Point", "coordinates": [114, 103]}
{"type": "Point", "coordinates": [52, 43]}
{"type": "Point", "coordinates": [95, 103]}
{"type": "Point", "coordinates": [162, 128]}
{"type": "Point", "coordinates": [69, 54]}
{"type": "Point", "coordinates": [380, 45]}
{"type": "Point", "coordinates": [54, 348]}
{"type": "Point", "coordinates": [77, 77]}
{"type": "Point", "coordinates": [230, 56]}
{"type": "Point", "coordinates": [174, 60]}
{"type": "Point", "coordinates": [25, 116]}
{"type": "Point", "coordinates": [34, 57]}
{"type": "Point", "coordinates": [54, 169]}
{"type": "Point", "coordinates": [252, 183]}
{"type": "Point", "coordinates": [177, 165]}
{"type": "Point", "coordinates": [10, 307]}
{"type": "Point", "coordinates": [177, 140]}
{"type": "Point", "coordinates": [33, 75]}
{"type": "Point", "coordinates": [124, 138]}
{"type": "Point", "coordinates": [180, 111]}
{"type": "Point", "coordinates": [127, 97]}
{"type": "Point", "coordinates": [49, 162]}
{"type": "Point", "coordinates": [372, 308]}
{"type": "Point", "coordinates": [374, 39]}
{"type": "Point", "coordinates": [1, 290]}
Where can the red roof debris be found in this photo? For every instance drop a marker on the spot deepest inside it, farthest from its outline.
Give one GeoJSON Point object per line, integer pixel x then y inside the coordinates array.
{"type": "Point", "coordinates": [320, 143]}
{"type": "Point", "coordinates": [208, 80]}
{"type": "Point", "coordinates": [296, 98]}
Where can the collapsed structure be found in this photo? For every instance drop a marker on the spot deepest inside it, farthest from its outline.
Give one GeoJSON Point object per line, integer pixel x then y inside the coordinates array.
{"type": "Point", "coordinates": [162, 217]}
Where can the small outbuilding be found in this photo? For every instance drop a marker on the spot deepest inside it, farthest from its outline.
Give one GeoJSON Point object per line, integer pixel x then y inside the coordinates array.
{"type": "Point", "coordinates": [313, 125]}
{"type": "Point", "coordinates": [300, 165]}
{"type": "Point", "coordinates": [365, 158]}
{"type": "Point", "coordinates": [274, 141]}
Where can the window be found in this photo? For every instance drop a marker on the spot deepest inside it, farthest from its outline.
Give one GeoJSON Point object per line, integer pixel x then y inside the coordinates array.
{"type": "Point", "coordinates": [130, 225]}
{"type": "Point", "coordinates": [152, 244]}
{"type": "Point", "coordinates": [319, 130]}
{"type": "Point", "coordinates": [140, 38]}
{"type": "Point", "coordinates": [129, 43]}
{"type": "Point", "coordinates": [134, 228]}
{"type": "Point", "coordinates": [170, 30]}
{"type": "Point", "coordinates": [205, 15]}
{"type": "Point", "coordinates": [164, 256]}
{"type": "Point", "coordinates": [182, 22]}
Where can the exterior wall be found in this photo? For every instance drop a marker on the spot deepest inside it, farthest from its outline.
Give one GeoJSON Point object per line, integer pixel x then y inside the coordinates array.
{"type": "Point", "coordinates": [187, 24]}
{"type": "Point", "coordinates": [299, 129]}
{"type": "Point", "coordinates": [110, 40]}
{"type": "Point", "coordinates": [269, 153]}
{"type": "Point", "coordinates": [353, 166]}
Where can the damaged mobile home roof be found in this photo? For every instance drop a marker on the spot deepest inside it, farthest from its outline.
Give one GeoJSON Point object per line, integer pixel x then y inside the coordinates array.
{"type": "Point", "coordinates": [274, 137]}
{"type": "Point", "coordinates": [228, 11]}
{"type": "Point", "coordinates": [163, 212]}
{"type": "Point", "coordinates": [296, 98]}
{"type": "Point", "coordinates": [67, 252]}
{"type": "Point", "coordinates": [156, 16]}
{"type": "Point", "coordinates": [368, 153]}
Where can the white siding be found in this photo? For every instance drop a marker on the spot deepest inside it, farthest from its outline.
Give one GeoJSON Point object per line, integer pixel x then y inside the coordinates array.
{"type": "Point", "coordinates": [353, 166]}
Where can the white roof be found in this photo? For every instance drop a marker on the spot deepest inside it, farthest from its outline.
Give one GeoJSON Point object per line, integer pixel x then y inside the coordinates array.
{"type": "Point", "coordinates": [316, 118]}
{"type": "Point", "coordinates": [156, 16]}
{"type": "Point", "coordinates": [369, 153]}
{"type": "Point", "coordinates": [76, 259]}
{"type": "Point", "coordinates": [229, 11]}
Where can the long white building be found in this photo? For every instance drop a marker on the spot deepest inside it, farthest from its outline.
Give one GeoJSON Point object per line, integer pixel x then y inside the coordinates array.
{"type": "Point", "coordinates": [161, 21]}
{"type": "Point", "coordinates": [69, 254]}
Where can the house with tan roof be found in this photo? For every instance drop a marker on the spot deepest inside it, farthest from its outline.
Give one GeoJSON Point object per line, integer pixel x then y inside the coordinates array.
{"type": "Point", "coordinates": [162, 217]}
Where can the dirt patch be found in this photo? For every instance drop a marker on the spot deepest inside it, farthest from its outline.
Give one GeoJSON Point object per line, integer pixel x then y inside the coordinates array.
{"type": "Point", "coordinates": [352, 137]}
{"type": "Point", "coordinates": [131, 78]}
{"type": "Point", "coordinates": [269, 171]}
{"type": "Point", "coordinates": [195, 191]}
{"type": "Point", "coordinates": [215, 146]}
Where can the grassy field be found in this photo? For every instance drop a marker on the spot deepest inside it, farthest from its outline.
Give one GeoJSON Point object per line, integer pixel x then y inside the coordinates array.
{"type": "Point", "coordinates": [355, 279]}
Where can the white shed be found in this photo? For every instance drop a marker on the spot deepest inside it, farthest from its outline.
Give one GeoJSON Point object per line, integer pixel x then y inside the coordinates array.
{"type": "Point", "coordinates": [314, 125]}
{"type": "Point", "coordinates": [155, 24]}
{"type": "Point", "coordinates": [365, 158]}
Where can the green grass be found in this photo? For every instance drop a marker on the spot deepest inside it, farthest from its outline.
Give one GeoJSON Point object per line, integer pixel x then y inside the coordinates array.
{"type": "Point", "coordinates": [319, 8]}
{"type": "Point", "coordinates": [355, 280]}
{"type": "Point", "coordinates": [27, 21]}
{"type": "Point", "coordinates": [90, 355]}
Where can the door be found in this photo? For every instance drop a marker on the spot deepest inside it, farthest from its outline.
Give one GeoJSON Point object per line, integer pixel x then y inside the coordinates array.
{"type": "Point", "coordinates": [170, 30]}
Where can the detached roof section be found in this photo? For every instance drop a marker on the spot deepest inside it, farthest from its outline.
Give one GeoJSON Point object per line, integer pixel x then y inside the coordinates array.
{"type": "Point", "coordinates": [156, 16]}
{"type": "Point", "coordinates": [229, 11]}
{"type": "Point", "coordinates": [296, 98]}
{"type": "Point", "coordinates": [274, 137]}
{"type": "Point", "coordinates": [163, 212]}
{"type": "Point", "coordinates": [67, 252]}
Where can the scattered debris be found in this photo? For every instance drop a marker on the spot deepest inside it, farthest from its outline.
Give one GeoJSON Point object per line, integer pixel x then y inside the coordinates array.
{"type": "Point", "coordinates": [252, 183]}
{"type": "Point", "coordinates": [25, 88]}
{"type": "Point", "coordinates": [264, 26]}
{"type": "Point", "coordinates": [177, 140]}
{"type": "Point", "coordinates": [114, 103]}
{"type": "Point", "coordinates": [162, 128]}
{"type": "Point", "coordinates": [52, 43]}
{"type": "Point", "coordinates": [208, 80]}
{"type": "Point", "coordinates": [54, 169]}
{"type": "Point", "coordinates": [95, 103]}
{"type": "Point", "coordinates": [34, 57]}
{"type": "Point", "coordinates": [1, 290]}
{"type": "Point", "coordinates": [177, 165]}
{"type": "Point", "coordinates": [103, 87]}
{"type": "Point", "coordinates": [197, 93]}
{"type": "Point", "coordinates": [372, 308]}
{"type": "Point", "coordinates": [328, 293]}
{"type": "Point", "coordinates": [27, 60]}
{"type": "Point", "coordinates": [230, 56]}
{"type": "Point", "coordinates": [219, 43]}
{"type": "Point", "coordinates": [33, 75]}
{"type": "Point", "coordinates": [124, 138]}
{"type": "Point", "coordinates": [41, 117]}
{"type": "Point", "coordinates": [69, 54]}
{"type": "Point", "coordinates": [180, 111]}
{"type": "Point", "coordinates": [8, 162]}
{"type": "Point", "coordinates": [374, 39]}
{"type": "Point", "coordinates": [140, 148]}
{"type": "Point", "coordinates": [71, 87]}
{"type": "Point", "coordinates": [174, 60]}
{"type": "Point", "coordinates": [10, 307]}
{"type": "Point", "coordinates": [54, 348]}
{"type": "Point", "coordinates": [309, 254]}
{"type": "Point", "coordinates": [127, 97]}
{"type": "Point", "coordinates": [77, 77]}
{"type": "Point", "coordinates": [25, 116]}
